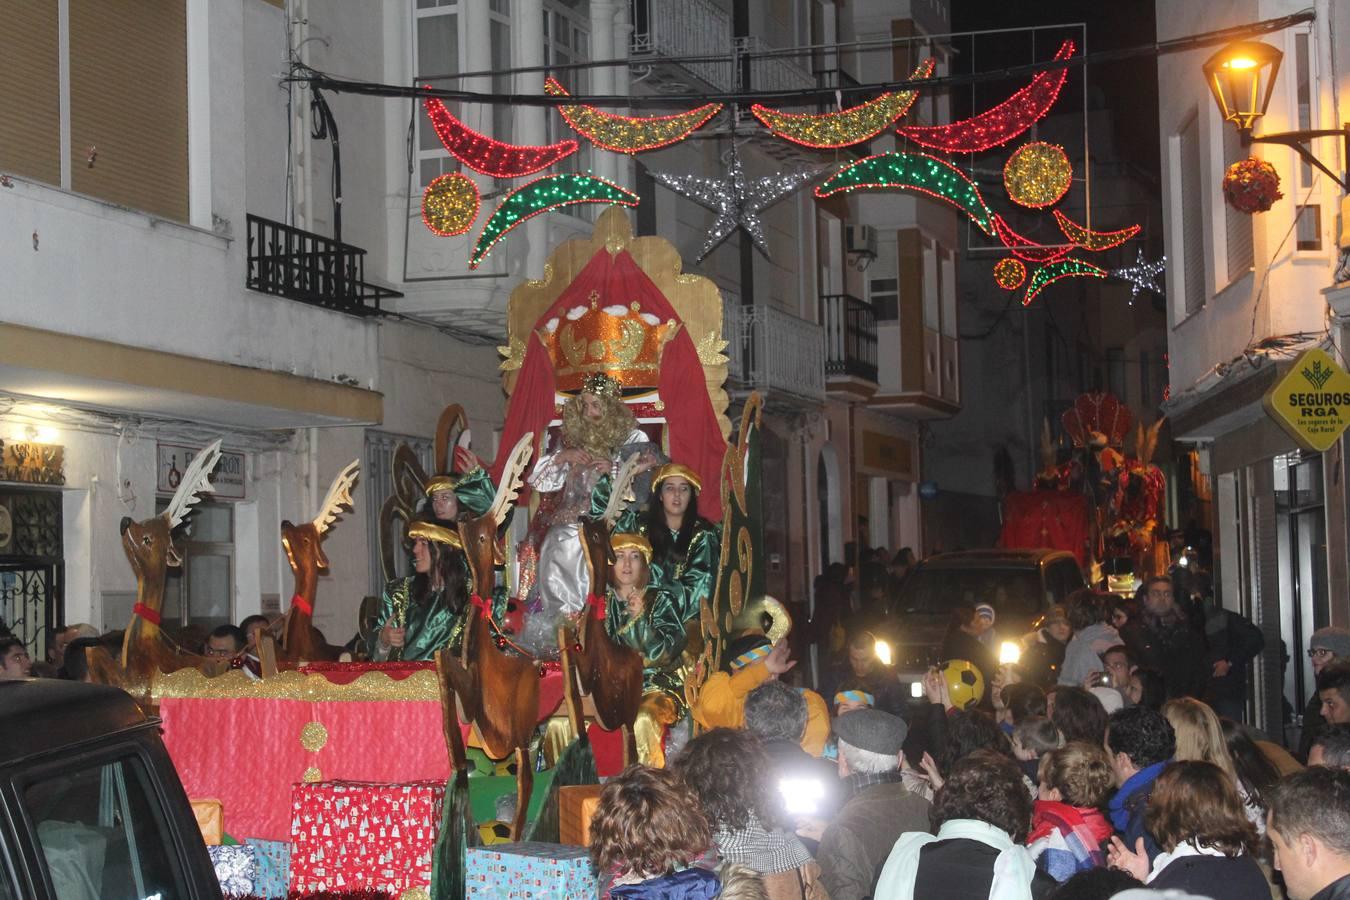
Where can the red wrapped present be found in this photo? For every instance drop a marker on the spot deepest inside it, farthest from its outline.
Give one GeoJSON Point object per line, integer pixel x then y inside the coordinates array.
{"type": "Point", "coordinates": [348, 835]}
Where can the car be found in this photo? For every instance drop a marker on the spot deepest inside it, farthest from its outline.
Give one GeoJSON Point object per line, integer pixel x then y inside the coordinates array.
{"type": "Point", "coordinates": [1021, 585]}
{"type": "Point", "coordinates": [91, 807]}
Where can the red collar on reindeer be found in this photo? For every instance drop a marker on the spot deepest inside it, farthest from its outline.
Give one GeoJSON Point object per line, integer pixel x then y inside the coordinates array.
{"type": "Point", "coordinates": [599, 604]}
{"type": "Point", "coordinates": [300, 603]}
{"type": "Point", "coordinates": [150, 615]}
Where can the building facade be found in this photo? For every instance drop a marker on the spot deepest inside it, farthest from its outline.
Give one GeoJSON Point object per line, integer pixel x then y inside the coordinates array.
{"type": "Point", "coordinates": [1246, 293]}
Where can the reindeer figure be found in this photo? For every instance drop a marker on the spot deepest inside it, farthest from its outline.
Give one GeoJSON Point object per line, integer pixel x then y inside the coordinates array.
{"type": "Point", "coordinates": [304, 551]}
{"type": "Point", "coordinates": [150, 551]}
{"type": "Point", "coordinates": [497, 693]}
{"type": "Point", "coordinates": [593, 664]}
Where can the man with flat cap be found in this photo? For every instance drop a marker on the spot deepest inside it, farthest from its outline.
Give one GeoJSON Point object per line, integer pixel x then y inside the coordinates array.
{"type": "Point", "coordinates": [878, 808]}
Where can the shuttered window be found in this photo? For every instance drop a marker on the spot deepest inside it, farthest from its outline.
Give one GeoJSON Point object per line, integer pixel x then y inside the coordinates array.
{"type": "Point", "coordinates": [127, 101]}
{"type": "Point", "coordinates": [1192, 223]}
{"type": "Point", "coordinates": [1237, 224]}
{"type": "Point", "coordinates": [30, 60]}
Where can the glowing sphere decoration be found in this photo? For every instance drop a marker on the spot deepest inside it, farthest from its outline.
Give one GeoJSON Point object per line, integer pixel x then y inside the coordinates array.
{"type": "Point", "coordinates": [450, 204]}
{"type": "Point", "coordinates": [1037, 174]}
{"type": "Point", "coordinates": [1010, 273]}
{"type": "Point", "coordinates": [965, 684]}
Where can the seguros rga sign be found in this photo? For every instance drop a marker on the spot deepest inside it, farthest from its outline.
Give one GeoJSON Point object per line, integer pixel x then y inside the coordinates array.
{"type": "Point", "coordinates": [1312, 400]}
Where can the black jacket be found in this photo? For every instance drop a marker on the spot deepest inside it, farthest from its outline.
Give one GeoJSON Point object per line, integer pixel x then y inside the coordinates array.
{"type": "Point", "coordinates": [1234, 638]}
{"type": "Point", "coordinates": [961, 869]}
{"type": "Point", "coordinates": [1240, 876]}
{"type": "Point", "coordinates": [1337, 890]}
{"type": "Point", "coordinates": [1175, 647]}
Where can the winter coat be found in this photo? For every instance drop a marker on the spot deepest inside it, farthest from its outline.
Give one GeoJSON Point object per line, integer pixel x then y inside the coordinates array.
{"type": "Point", "coordinates": [1234, 638]}
{"type": "Point", "coordinates": [856, 844]}
{"type": "Point", "coordinates": [1175, 648]}
{"type": "Point", "coordinates": [1240, 876]}
{"type": "Point", "coordinates": [1083, 656]}
{"type": "Point", "coordinates": [1337, 890]}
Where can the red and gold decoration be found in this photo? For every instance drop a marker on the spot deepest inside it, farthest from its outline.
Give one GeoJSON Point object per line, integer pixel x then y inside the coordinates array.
{"type": "Point", "coordinates": [1037, 174]}
{"type": "Point", "coordinates": [844, 127]}
{"type": "Point", "coordinates": [1010, 273]}
{"type": "Point", "coordinates": [1027, 249]}
{"type": "Point", "coordinates": [450, 204]}
{"type": "Point", "coordinates": [1093, 240]}
{"type": "Point", "coordinates": [1052, 272]}
{"type": "Point", "coordinates": [630, 134]}
{"type": "Point", "coordinates": [1251, 185]}
{"type": "Point", "coordinates": [623, 342]}
{"type": "Point", "coordinates": [540, 196]}
{"type": "Point", "coordinates": [916, 172]}
{"type": "Point", "coordinates": [998, 125]}
{"type": "Point", "coordinates": [486, 155]}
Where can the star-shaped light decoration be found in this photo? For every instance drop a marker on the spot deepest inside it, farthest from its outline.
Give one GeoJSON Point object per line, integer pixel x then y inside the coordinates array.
{"type": "Point", "coordinates": [737, 200]}
{"type": "Point", "coordinates": [1142, 275]}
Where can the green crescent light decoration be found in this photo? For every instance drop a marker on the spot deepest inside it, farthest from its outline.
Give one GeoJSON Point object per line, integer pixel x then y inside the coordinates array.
{"type": "Point", "coordinates": [916, 172]}
{"type": "Point", "coordinates": [540, 196]}
{"type": "Point", "coordinates": [1065, 268]}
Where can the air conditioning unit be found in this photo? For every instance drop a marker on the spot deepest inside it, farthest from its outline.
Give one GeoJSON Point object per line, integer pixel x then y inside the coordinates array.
{"type": "Point", "coordinates": [860, 239]}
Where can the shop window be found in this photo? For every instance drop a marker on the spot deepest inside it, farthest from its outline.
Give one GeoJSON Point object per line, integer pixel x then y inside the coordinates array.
{"type": "Point", "coordinates": [200, 592]}
{"type": "Point", "coordinates": [103, 832]}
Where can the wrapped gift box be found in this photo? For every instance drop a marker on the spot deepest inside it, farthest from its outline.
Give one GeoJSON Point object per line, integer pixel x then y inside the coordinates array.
{"type": "Point", "coordinates": [576, 806]}
{"type": "Point", "coordinates": [210, 819]}
{"type": "Point", "coordinates": [236, 868]}
{"type": "Point", "coordinates": [348, 835]}
{"type": "Point", "coordinates": [530, 871]}
{"type": "Point", "coordinates": [274, 868]}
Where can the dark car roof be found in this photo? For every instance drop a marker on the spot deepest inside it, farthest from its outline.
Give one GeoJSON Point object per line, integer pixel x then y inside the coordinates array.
{"type": "Point", "coordinates": [42, 714]}
{"type": "Point", "coordinates": [993, 558]}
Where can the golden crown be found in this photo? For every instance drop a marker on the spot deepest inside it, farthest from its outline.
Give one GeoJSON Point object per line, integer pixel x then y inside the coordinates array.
{"type": "Point", "coordinates": [622, 342]}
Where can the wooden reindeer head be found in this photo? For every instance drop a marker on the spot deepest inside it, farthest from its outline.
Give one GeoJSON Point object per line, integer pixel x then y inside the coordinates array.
{"type": "Point", "coordinates": [304, 542]}
{"type": "Point", "coordinates": [148, 545]}
{"type": "Point", "coordinates": [479, 536]}
{"type": "Point", "coordinates": [596, 532]}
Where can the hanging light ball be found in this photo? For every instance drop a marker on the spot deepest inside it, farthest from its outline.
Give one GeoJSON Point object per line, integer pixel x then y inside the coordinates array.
{"type": "Point", "coordinates": [450, 204]}
{"type": "Point", "coordinates": [1010, 273]}
{"type": "Point", "coordinates": [1037, 174]}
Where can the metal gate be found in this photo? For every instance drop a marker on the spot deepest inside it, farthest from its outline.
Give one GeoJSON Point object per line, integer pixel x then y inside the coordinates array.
{"type": "Point", "coordinates": [31, 566]}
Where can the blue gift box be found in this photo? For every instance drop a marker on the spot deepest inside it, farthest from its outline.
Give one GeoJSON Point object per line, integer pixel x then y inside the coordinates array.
{"type": "Point", "coordinates": [274, 868]}
{"type": "Point", "coordinates": [236, 868]}
{"type": "Point", "coordinates": [530, 871]}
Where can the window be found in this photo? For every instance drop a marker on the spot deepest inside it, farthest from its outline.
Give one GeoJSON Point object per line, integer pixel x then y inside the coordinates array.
{"type": "Point", "coordinates": [883, 285]}
{"type": "Point", "coordinates": [1115, 372]}
{"type": "Point", "coordinates": [1237, 225]}
{"type": "Point", "coordinates": [201, 591]}
{"type": "Point", "coordinates": [1145, 380]}
{"type": "Point", "coordinates": [1310, 227]}
{"type": "Point", "coordinates": [1191, 213]}
{"type": "Point", "coordinates": [123, 103]}
{"type": "Point", "coordinates": [932, 314]}
{"type": "Point", "coordinates": [947, 290]}
{"type": "Point", "coordinates": [1303, 97]}
{"type": "Point", "coordinates": [567, 40]}
{"type": "Point", "coordinates": [103, 833]}
{"type": "Point", "coordinates": [437, 42]}
{"type": "Point", "coordinates": [499, 14]}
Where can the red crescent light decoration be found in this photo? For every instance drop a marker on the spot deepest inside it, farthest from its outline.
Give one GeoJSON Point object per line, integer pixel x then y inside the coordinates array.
{"type": "Point", "coordinates": [486, 155]}
{"type": "Point", "coordinates": [998, 125]}
{"type": "Point", "coordinates": [1025, 248]}
{"type": "Point", "coordinates": [843, 127]}
{"type": "Point", "coordinates": [630, 134]}
{"type": "Point", "coordinates": [1093, 240]}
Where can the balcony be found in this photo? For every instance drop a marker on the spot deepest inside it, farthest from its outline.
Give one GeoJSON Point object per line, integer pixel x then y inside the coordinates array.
{"type": "Point", "coordinates": [850, 327]}
{"type": "Point", "coordinates": [681, 46]}
{"type": "Point", "coordinates": [310, 268]}
{"type": "Point", "coordinates": [775, 353]}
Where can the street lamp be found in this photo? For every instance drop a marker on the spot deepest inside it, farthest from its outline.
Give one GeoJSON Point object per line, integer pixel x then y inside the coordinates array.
{"type": "Point", "coordinates": [1241, 77]}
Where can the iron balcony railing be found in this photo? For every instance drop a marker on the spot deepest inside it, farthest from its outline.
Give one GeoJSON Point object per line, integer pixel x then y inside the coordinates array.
{"type": "Point", "coordinates": [310, 268]}
{"type": "Point", "coordinates": [774, 352]}
{"type": "Point", "coordinates": [682, 35]}
{"type": "Point", "coordinates": [850, 336]}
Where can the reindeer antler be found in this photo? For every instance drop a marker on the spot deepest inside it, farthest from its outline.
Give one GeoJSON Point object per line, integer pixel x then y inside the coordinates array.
{"type": "Point", "coordinates": [622, 483]}
{"type": "Point", "coordinates": [512, 475]}
{"type": "Point", "coordinates": [195, 480]}
{"type": "Point", "coordinates": [339, 495]}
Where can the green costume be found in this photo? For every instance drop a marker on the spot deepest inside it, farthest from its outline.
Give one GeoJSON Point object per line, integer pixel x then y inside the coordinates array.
{"type": "Point", "coordinates": [430, 625]}
{"type": "Point", "coordinates": [475, 492]}
{"type": "Point", "coordinates": [657, 633]}
{"type": "Point", "coordinates": [691, 581]}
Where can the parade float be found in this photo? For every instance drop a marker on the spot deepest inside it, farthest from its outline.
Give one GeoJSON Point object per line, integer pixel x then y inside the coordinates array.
{"type": "Point", "coordinates": [1101, 504]}
{"type": "Point", "coordinates": [356, 776]}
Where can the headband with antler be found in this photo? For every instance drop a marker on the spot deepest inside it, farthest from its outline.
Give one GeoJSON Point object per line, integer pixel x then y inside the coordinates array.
{"type": "Point", "coordinates": [195, 480]}
{"type": "Point", "coordinates": [339, 495]}
{"type": "Point", "coordinates": [618, 495]}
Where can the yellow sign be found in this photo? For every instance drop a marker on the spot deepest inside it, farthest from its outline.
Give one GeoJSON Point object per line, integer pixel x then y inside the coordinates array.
{"type": "Point", "coordinates": [1312, 401]}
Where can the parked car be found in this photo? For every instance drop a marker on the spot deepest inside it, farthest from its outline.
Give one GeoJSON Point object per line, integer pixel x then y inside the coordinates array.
{"type": "Point", "coordinates": [1021, 585]}
{"type": "Point", "coordinates": [90, 805]}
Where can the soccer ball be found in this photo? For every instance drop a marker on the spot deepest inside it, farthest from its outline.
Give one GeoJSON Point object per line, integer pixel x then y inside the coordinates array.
{"type": "Point", "coordinates": [965, 684]}
{"type": "Point", "coordinates": [494, 833]}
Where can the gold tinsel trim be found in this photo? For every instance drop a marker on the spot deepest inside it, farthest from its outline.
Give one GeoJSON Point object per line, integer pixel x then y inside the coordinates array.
{"type": "Point", "coordinates": [192, 684]}
{"type": "Point", "coordinates": [415, 893]}
{"type": "Point", "coordinates": [313, 736]}
{"type": "Point", "coordinates": [312, 775]}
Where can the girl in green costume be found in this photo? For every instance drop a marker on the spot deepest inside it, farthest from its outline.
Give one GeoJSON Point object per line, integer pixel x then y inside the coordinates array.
{"type": "Point", "coordinates": [685, 546]}
{"type": "Point", "coordinates": [419, 614]}
{"type": "Point", "coordinates": [644, 618]}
